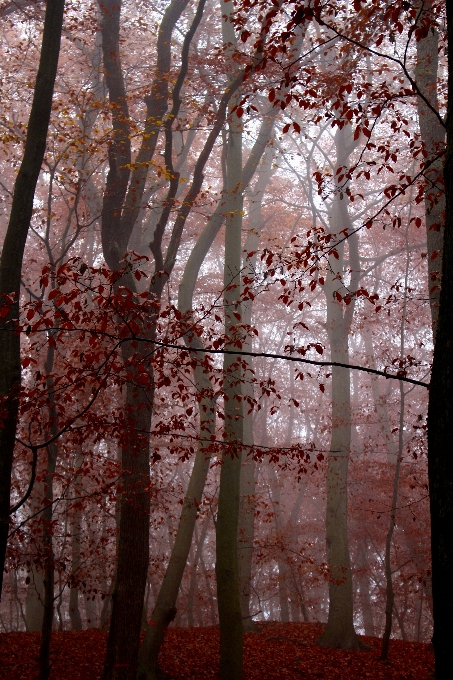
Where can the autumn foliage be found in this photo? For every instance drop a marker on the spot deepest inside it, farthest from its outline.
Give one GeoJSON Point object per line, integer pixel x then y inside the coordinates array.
{"type": "Point", "coordinates": [277, 651]}
{"type": "Point", "coordinates": [233, 260]}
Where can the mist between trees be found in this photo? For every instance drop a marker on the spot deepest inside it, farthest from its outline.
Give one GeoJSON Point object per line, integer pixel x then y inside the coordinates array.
{"type": "Point", "coordinates": [223, 239]}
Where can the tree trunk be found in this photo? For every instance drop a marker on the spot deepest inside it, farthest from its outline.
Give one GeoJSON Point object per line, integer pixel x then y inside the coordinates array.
{"type": "Point", "coordinates": [165, 608]}
{"type": "Point", "coordinates": [49, 572]}
{"type": "Point", "coordinates": [248, 468]}
{"type": "Point", "coordinates": [227, 571]}
{"type": "Point", "coordinates": [433, 137]}
{"type": "Point", "coordinates": [391, 448]}
{"type": "Point", "coordinates": [76, 528]}
{"type": "Point", "coordinates": [13, 251]}
{"type": "Point", "coordinates": [440, 418]}
{"type": "Point", "coordinates": [121, 206]}
{"type": "Point", "coordinates": [47, 517]}
{"type": "Point", "coordinates": [390, 596]}
{"type": "Point", "coordinates": [363, 580]}
{"type": "Point", "coordinates": [133, 543]}
{"type": "Point", "coordinates": [339, 632]}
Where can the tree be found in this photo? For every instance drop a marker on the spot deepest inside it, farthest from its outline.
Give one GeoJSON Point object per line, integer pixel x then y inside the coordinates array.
{"type": "Point", "coordinates": [439, 419]}
{"type": "Point", "coordinates": [13, 252]}
{"type": "Point", "coordinates": [142, 174]}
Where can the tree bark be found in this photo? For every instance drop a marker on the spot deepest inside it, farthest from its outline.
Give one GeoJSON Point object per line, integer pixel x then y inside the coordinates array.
{"type": "Point", "coordinates": [74, 611]}
{"type": "Point", "coordinates": [49, 572]}
{"type": "Point", "coordinates": [433, 137]}
{"type": "Point", "coordinates": [47, 517]}
{"type": "Point", "coordinates": [440, 417]}
{"type": "Point", "coordinates": [248, 467]}
{"type": "Point", "coordinates": [339, 632]}
{"type": "Point", "coordinates": [227, 571]}
{"type": "Point", "coordinates": [13, 252]}
{"type": "Point", "coordinates": [390, 596]}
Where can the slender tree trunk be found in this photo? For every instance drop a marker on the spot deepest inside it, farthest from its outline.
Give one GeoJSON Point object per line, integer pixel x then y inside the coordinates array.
{"type": "Point", "coordinates": [248, 468]}
{"type": "Point", "coordinates": [340, 628]}
{"type": "Point", "coordinates": [433, 137]}
{"type": "Point", "coordinates": [363, 581]}
{"type": "Point", "coordinates": [440, 418]}
{"type": "Point", "coordinates": [390, 596]}
{"type": "Point", "coordinates": [339, 632]}
{"type": "Point", "coordinates": [391, 448]}
{"type": "Point", "coordinates": [165, 607]}
{"type": "Point", "coordinates": [227, 571]}
{"type": "Point", "coordinates": [49, 573]}
{"type": "Point", "coordinates": [47, 517]}
{"type": "Point", "coordinates": [389, 592]}
{"type": "Point", "coordinates": [13, 251]}
{"type": "Point", "coordinates": [76, 528]}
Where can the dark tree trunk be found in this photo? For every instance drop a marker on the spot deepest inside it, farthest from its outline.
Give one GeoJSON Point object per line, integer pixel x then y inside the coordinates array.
{"type": "Point", "coordinates": [47, 517]}
{"type": "Point", "coordinates": [49, 572]}
{"type": "Point", "coordinates": [13, 252]}
{"type": "Point", "coordinates": [440, 419]}
{"type": "Point", "coordinates": [76, 528]}
{"type": "Point", "coordinates": [121, 206]}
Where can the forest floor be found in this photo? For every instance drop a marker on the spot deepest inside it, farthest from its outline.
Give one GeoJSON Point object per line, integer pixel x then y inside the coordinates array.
{"type": "Point", "coordinates": [278, 652]}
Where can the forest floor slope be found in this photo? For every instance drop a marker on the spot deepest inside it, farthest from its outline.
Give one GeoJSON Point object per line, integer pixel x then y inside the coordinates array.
{"type": "Point", "coordinates": [278, 652]}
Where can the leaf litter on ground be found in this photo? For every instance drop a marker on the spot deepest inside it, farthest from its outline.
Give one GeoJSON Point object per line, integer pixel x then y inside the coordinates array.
{"type": "Point", "coordinates": [279, 651]}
